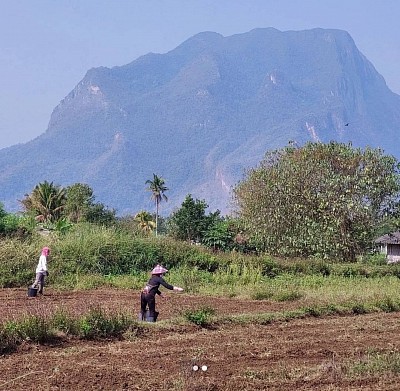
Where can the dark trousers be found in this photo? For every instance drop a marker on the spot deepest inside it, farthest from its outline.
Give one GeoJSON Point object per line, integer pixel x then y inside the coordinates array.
{"type": "Point", "coordinates": [39, 281]}
{"type": "Point", "coordinates": [149, 300]}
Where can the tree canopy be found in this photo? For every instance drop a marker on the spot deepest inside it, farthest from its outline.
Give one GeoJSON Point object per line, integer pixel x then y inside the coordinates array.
{"type": "Point", "coordinates": [46, 201]}
{"type": "Point", "coordinates": [324, 200]}
{"type": "Point", "coordinates": [80, 199]}
{"type": "Point", "coordinates": [51, 203]}
{"type": "Point", "coordinates": [145, 221]}
{"type": "Point", "coordinates": [190, 221]}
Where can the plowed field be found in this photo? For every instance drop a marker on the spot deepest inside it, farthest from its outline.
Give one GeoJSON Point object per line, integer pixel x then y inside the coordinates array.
{"type": "Point", "coordinates": [302, 354]}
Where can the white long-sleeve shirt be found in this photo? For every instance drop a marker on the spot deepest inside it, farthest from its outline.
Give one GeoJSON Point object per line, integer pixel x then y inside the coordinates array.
{"type": "Point", "coordinates": [42, 265]}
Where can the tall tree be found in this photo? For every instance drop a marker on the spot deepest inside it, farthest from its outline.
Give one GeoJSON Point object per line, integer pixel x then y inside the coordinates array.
{"type": "Point", "coordinates": [318, 200]}
{"type": "Point", "coordinates": [100, 214]}
{"type": "Point", "coordinates": [81, 206]}
{"type": "Point", "coordinates": [80, 198]}
{"type": "Point", "coordinates": [190, 221]}
{"type": "Point", "coordinates": [157, 188]}
{"type": "Point", "coordinates": [46, 201]}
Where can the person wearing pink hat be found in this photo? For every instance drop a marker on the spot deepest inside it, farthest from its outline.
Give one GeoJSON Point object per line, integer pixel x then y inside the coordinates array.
{"type": "Point", "coordinates": [41, 270]}
{"type": "Point", "coordinates": [148, 295]}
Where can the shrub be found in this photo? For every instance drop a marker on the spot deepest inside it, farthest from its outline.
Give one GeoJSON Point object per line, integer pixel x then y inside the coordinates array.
{"type": "Point", "coordinates": [313, 311]}
{"type": "Point", "coordinates": [359, 309]}
{"type": "Point", "coordinates": [35, 328]}
{"type": "Point", "coordinates": [200, 317]}
{"type": "Point", "coordinates": [9, 338]}
{"type": "Point", "coordinates": [387, 304]}
{"type": "Point", "coordinates": [96, 324]}
{"type": "Point", "coordinates": [262, 294]}
{"type": "Point", "coordinates": [62, 321]}
{"type": "Point", "coordinates": [287, 295]}
{"type": "Point", "coordinates": [271, 268]}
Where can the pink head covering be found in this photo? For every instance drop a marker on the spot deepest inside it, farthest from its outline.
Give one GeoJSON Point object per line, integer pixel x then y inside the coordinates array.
{"type": "Point", "coordinates": [45, 251]}
{"type": "Point", "coordinates": [159, 270]}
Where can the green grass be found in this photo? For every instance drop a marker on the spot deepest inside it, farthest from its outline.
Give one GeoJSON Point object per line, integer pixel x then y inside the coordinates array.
{"type": "Point", "coordinates": [374, 363]}
{"type": "Point", "coordinates": [95, 324]}
{"type": "Point", "coordinates": [314, 289]}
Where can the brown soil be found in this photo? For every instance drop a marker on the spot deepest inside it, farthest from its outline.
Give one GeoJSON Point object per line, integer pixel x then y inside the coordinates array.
{"type": "Point", "coordinates": [302, 354]}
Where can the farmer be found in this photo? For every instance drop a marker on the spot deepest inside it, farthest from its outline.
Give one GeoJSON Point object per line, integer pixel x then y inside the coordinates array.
{"type": "Point", "coordinates": [41, 270]}
{"type": "Point", "coordinates": [147, 297]}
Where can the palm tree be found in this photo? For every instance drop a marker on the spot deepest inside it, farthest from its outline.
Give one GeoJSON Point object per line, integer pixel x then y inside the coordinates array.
{"type": "Point", "coordinates": [157, 188]}
{"type": "Point", "coordinates": [145, 221]}
{"type": "Point", "coordinates": [47, 201]}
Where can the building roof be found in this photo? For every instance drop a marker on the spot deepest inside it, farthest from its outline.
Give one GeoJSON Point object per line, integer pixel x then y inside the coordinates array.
{"type": "Point", "coordinates": [391, 238]}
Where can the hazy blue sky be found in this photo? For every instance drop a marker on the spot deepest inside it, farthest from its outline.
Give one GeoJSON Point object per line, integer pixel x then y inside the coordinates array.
{"type": "Point", "coordinates": [46, 46]}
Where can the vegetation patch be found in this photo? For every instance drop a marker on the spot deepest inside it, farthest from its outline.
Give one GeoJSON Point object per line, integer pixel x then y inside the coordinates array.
{"type": "Point", "coordinates": [375, 363]}
{"type": "Point", "coordinates": [201, 317]}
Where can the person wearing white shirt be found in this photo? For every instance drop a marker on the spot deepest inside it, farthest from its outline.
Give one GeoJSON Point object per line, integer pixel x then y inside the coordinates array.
{"type": "Point", "coordinates": [41, 270]}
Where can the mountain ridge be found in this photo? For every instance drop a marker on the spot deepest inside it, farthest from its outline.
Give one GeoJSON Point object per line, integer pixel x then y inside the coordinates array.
{"type": "Point", "coordinates": [201, 114]}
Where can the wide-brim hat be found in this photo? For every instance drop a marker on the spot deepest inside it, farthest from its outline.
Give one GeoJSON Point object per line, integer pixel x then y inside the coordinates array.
{"type": "Point", "coordinates": [159, 270]}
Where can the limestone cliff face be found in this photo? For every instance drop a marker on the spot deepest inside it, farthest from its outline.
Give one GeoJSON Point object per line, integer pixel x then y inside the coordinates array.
{"type": "Point", "coordinates": [201, 114]}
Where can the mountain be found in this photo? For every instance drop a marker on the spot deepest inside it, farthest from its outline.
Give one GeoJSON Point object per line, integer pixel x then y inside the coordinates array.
{"type": "Point", "coordinates": [201, 114]}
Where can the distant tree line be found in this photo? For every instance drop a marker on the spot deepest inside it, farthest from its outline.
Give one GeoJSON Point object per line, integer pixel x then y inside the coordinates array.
{"type": "Point", "coordinates": [319, 200]}
{"type": "Point", "coordinates": [50, 203]}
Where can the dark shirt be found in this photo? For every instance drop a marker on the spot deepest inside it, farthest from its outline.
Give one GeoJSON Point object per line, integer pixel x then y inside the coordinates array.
{"type": "Point", "coordinates": [154, 284]}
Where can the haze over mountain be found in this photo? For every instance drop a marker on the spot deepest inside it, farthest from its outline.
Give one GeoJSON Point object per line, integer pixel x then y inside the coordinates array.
{"type": "Point", "coordinates": [201, 114]}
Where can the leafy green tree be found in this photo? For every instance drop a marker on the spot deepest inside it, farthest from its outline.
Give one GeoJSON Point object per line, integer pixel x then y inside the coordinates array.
{"type": "Point", "coordinates": [226, 234]}
{"type": "Point", "coordinates": [81, 206]}
{"type": "Point", "coordinates": [325, 200]}
{"type": "Point", "coordinates": [99, 214]}
{"type": "Point", "coordinates": [190, 221]}
{"type": "Point", "coordinates": [157, 188]}
{"type": "Point", "coordinates": [46, 202]}
{"type": "Point", "coordinates": [219, 236]}
{"type": "Point", "coordinates": [79, 200]}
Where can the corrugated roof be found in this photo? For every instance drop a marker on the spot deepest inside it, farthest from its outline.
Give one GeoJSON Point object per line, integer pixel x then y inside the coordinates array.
{"type": "Point", "coordinates": [392, 238]}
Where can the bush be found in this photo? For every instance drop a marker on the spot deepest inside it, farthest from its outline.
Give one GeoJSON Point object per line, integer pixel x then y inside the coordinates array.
{"type": "Point", "coordinates": [387, 304]}
{"type": "Point", "coordinates": [262, 294]}
{"type": "Point", "coordinates": [18, 261]}
{"type": "Point", "coordinates": [96, 324]}
{"type": "Point", "coordinates": [374, 259]}
{"type": "Point", "coordinates": [271, 268]}
{"type": "Point", "coordinates": [35, 328]}
{"type": "Point", "coordinates": [63, 322]}
{"type": "Point", "coordinates": [9, 338]}
{"type": "Point", "coordinates": [287, 295]}
{"type": "Point", "coordinates": [200, 317]}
